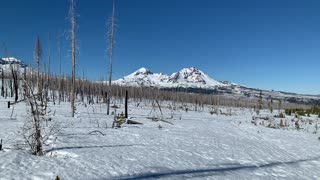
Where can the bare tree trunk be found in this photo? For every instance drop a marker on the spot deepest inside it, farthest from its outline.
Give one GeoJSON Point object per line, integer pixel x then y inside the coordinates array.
{"type": "Point", "coordinates": [126, 105]}
{"type": "Point", "coordinates": [47, 84]}
{"type": "Point", "coordinates": [25, 84]}
{"type": "Point", "coordinates": [73, 46]}
{"type": "Point", "coordinates": [15, 83]}
{"type": "Point", "coordinates": [2, 83]}
{"type": "Point", "coordinates": [110, 35]}
{"type": "Point", "coordinates": [59, 81]}
{"type": "Point", "coordinates": [6, 90]}
{"type": "Point", "coordinates": [11, 88]}
{"type": "Point", "coordinates": [37, 57]}
{"type": "Point", "coordinates": [36, 124]}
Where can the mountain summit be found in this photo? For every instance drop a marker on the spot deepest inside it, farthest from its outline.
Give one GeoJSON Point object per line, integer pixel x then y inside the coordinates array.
{"type": "Point", "coordinates": [188, 78]}
{"type": "Point", "coordinates": [143, 71]}
{"type": "Point", "coordinates": [5, 64]}
{"type": "Point", "coordinates": [193, 77]}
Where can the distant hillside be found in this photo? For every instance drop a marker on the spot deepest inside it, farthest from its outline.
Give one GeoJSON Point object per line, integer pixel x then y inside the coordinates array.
{"type": "Point", "coordinates": [196, 81]}
{"type": "Point", "coordinates": [5, 64]}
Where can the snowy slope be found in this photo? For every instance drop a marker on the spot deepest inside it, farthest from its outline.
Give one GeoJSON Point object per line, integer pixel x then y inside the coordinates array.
{"type": "Point", "coordinates": [198, 146]}
{"type": "Point", "coordinates": [6, 63]}
{"type": "Point", "coordinates": [143, 77]}
{"type": "Point", "coordinates": [187, 77]}
{"type": "Point", "coordinates": [193, 77]}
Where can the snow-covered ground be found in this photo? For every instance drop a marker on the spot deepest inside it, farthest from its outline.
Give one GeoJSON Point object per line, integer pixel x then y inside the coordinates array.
{"type": "Point", "coordinates": [197, 146]}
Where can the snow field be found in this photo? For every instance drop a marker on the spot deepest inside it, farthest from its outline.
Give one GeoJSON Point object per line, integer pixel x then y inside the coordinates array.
{"type": "Point", "coordinates": [198, 146]}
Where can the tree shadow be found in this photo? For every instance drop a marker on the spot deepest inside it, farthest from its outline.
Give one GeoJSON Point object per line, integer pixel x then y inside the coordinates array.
{"type": "Point", "coordinates": [210, 171]}
{"type": "Point", "coordinates": [88, 147]}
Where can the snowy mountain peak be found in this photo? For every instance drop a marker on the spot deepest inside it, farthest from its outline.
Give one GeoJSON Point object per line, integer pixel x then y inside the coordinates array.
{"type": "Point", "coordinates": [6, 62]}
{"type": "Point", "coordinates": [190, 74]}
{"type": "Point", "coordinates": [187, 77]}
{"type": "Point", "coordinates": [190, 70]}
{"type": "Point", "coordinates": [10, 60]}
{"type": "Point", "coordinates": [143, 71]}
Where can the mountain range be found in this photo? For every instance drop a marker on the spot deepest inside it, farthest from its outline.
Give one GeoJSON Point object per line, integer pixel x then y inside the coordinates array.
{"type": "Point", "coordinates": [185, 78]}
{"type": "Point", "coordinates": [194, 80]}
{"type": "Point", "coordinates": [189, 80]}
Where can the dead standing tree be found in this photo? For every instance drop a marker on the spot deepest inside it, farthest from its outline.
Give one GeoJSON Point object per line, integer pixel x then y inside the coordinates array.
{"type": "Point", "coordinates": [111, 27]}
{"type": "Point", "coordinates": [60, 76]}
{"type": "Point", "coordinates": [73, 54]}
{"type": "Point", "coordinates": [37, 58]}
{"type": "Point", "coordinates": [32, 133]}
{"type": "Point", "coordinates": [47, 77]}
{"type": "Point", "coordinates": [15, 81]}
{"type": "Point", "coordinates": [2, 82]}
{"type": "Point", "coordinates": [14, 78]}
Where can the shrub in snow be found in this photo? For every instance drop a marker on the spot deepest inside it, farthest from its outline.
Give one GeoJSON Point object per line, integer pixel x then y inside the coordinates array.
{"type": "Point", "coordinates": [297, 124]}
{"type": "Point", "coordinates": [214, 110]}
{"type": "Point", "coordinates": [281, 123]}
{"type": "Point", "coordinates": [281, 115]}
{"type": "Point", "coordinates": [119, 120]}
{"type": "Point", "coordinates": [288, 112]}
{"type": "Point", "coordinates": [270, 125]}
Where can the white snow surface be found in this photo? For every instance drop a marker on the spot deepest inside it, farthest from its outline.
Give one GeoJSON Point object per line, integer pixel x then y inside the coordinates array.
{"type": "Point", "coordinates": [188, 77]}
{"type": "Point", "coordinates": [197, 146]}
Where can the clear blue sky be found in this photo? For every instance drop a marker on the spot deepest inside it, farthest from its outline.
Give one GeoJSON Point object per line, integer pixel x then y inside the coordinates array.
{"type": "Point", "coordinates": [268, 44]}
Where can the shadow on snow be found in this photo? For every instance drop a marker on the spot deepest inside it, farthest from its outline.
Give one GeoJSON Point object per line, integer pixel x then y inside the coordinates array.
{"type": "Point", "coordinates": [209, 171]}
{"type": "Point", "coordinates": [86, 147]}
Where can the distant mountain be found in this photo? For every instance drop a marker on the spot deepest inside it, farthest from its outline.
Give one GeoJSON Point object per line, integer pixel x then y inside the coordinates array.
{"type": "Point", "coordinates": [185, 78]}
{"type": "Point", "coordinates": [194, 80]}
{"type": "Point", "coordinates": [6, 63]}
